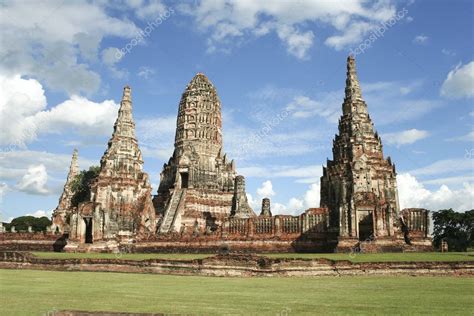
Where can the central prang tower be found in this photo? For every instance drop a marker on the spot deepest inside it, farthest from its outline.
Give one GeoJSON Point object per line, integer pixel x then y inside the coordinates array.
{"type": "Point", "coordinates": [359, 185]}
{"type": "Point", "coordinates": [198, 186]}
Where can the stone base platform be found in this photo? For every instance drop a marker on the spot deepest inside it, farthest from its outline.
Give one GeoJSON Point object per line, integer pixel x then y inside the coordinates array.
{"type": "Point", "coordinates": [352, 245]}
{"type": "Point", "coordinates": [237, 266]}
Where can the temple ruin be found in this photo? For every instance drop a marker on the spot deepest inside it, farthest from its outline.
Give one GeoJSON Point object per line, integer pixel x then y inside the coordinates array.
{"type": "Point", "coordinates": [359, 185]}
{"type": "Point", "coordinates": [201, 201]}
{"type": "Point", "coordinates": [120, 205]}
{"type": "Point", "coordinates": [64, 209]}
{"type": "Point", "coordinates": [199, 187]}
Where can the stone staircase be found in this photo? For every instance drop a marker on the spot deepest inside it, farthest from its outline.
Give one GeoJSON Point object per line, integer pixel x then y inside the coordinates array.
{"type": "Point", "coordinates": [172, 210]}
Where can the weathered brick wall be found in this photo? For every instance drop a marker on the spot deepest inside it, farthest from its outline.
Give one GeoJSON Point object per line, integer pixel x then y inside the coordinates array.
{"type": "Point", "coordinates": [28, 236]}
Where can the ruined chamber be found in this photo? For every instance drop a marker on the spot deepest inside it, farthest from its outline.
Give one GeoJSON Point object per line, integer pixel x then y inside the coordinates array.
{"type": "Point", "coordinates": [120, 205]}
{"type": "Point", "coordinates": [199, 187]}
{"type": "Point", "coordinates": [359, 185]}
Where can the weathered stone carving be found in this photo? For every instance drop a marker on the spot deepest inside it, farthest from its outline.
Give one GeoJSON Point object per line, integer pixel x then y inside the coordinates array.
{"type": "Point", "coordinates": [197, 190]}
{"type": "Point", "coordinates": [120, 203]}
{"type": "Point", "coordinates": [359, 185]}
{"type": "Point", "coordinates": [64, 209]}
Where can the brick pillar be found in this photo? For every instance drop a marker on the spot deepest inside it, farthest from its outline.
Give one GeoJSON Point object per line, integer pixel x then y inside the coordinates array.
{"type": "Point", "coordinates": [250, 227]}
{"type": "Point", "coordinates": [277, 226]}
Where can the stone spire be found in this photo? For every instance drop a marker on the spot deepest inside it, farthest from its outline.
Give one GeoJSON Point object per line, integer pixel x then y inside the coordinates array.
{"type": "Point", "coordinates": [352, 82]}
{"type": "Point", "coordinates": [65, 201]}
{"type": "Point", "coordinates": [121, 194]}
{"type": "Point", "coordinates": [359, 178]}
{"type": "Point", "coordinates": [124, 125]}
{"type": "Point", "coordinates": [123, 154]}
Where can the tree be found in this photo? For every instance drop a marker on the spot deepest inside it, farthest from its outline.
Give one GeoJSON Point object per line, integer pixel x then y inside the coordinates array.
{"type": "Point", "coordinates": [81, 185]}
{"type": "Point", "coordinates": [38, 224]}
{"type": "Point", "coordinates": [455, 228]}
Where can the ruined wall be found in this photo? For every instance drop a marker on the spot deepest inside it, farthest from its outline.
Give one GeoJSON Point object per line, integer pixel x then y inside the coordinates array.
{"type": "Point", "coordinates": [238, 266]}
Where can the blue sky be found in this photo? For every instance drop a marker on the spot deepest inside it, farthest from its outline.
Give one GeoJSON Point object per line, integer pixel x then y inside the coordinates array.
{"type": "Point", "coordinates": [279, 69]}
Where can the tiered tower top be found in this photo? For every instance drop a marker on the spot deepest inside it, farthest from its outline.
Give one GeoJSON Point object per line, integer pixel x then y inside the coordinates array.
{"type": "Point", "coordinates": [123, 157]}
{"type": "Point", "coordinates": [199, 122]}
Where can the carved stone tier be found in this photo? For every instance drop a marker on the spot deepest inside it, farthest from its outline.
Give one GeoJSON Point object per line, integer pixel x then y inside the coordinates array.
{"type": "Point", "coordinates": [197, 184]}
{"type": "Point", "coordinates": [359, 185]}
{"type": "Point", "coordinates": [121, 200]}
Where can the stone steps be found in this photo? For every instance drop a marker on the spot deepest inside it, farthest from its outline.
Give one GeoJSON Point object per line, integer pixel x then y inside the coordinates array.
{"type": "Point", "coordinates": [172, 210]}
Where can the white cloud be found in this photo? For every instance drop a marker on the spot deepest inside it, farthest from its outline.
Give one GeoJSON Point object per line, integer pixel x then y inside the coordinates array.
{"type": "Point", "coordinates": [14, 164]}
{"type": "Point", "coordinates": [313, 195]}
{"type": "Point", "coordinates": [57, 40]}
{"type": "Point", "coordinates": [413, 194]}
{"type": "Point", "coordinates": [147, 10]}
{"type": "Point", "coordinates": [110, 57]}
{"type": "Point", "coordinates": [266, 190]}
{"type": "Point", "coordinates": [19, 99]}
{"type": "Point", "coordinates": [145, 72]}
{"type": "Point", "coordinates": [297, 43]}
{"type": "Point", "coordinates": [420, 39]}
{"type": "Point", "coordinates": [459, 82]}
{"type": "Point", "coordinates": [448, 52]}
{"type": "Point", "coordinates": [60, 38]}
{"type": "Point", "coordinates": [445, 166]}
{"type": "Point", "coordinates": [388, 102]}
{"type": "Point", "coordinates": [254, 204]}
{"type": "Point", "coordinates": [156, 136]}
{"type": "Point", "coordinates": [40, 213]}
{"type": "Point", "coordinates": [327, 107]}
{"type": "Point", "coordinates": [3, 190]}
{"type": "Point", "coordinates": [229, 21]}
{"type": "Point", "coordinates": [394, 102]}
{"type": "Point", "coordinates": [24, 115]}
{"type": "Point", "coordinates": [304, 174]}
{"type": "Point", "coordinates": [404, 137]}
{"type": "Point", "coordinates": [469, 137]}
{"type": "Point", "coordinates": [294, 206]}
{"type": "Point", "coordinates": [34, 181]}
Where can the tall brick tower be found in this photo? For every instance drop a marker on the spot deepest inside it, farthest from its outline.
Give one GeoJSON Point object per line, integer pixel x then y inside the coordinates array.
{"type": "Point", "coordinates": [198, 183]}
{"type": "Point", "coordinates": [121, 200]}
{"type": "Point", "coordinates": [359, 185]}
{"type": "Point", "coordinates": [64, 208]}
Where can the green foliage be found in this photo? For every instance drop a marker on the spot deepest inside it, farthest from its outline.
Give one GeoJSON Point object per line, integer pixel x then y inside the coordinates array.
{"type": "Point", "coordinates": [39, 224]}
{"type": "Point", "coordinates": [81, 185]}
{"type": "Point", "coordinates": [454, 227]}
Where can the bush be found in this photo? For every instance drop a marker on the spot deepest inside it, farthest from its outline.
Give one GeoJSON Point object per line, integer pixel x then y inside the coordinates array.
{"type": "Point", "coordinates": [81, 185]}
{"type": "Point", "coordinates": [39, 224]}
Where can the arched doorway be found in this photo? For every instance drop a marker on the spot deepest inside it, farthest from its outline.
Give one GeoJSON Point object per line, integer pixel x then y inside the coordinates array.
{"type": "Point", "coordinates": [366, 225]}
{"type": "Point", "coordinates": [88, 222]}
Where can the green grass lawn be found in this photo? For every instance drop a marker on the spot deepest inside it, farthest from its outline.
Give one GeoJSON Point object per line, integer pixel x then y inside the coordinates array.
{"type": "Point", "coordinates": [378, 257]}
{"type": "Point", "coordinates": [31, 292]}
